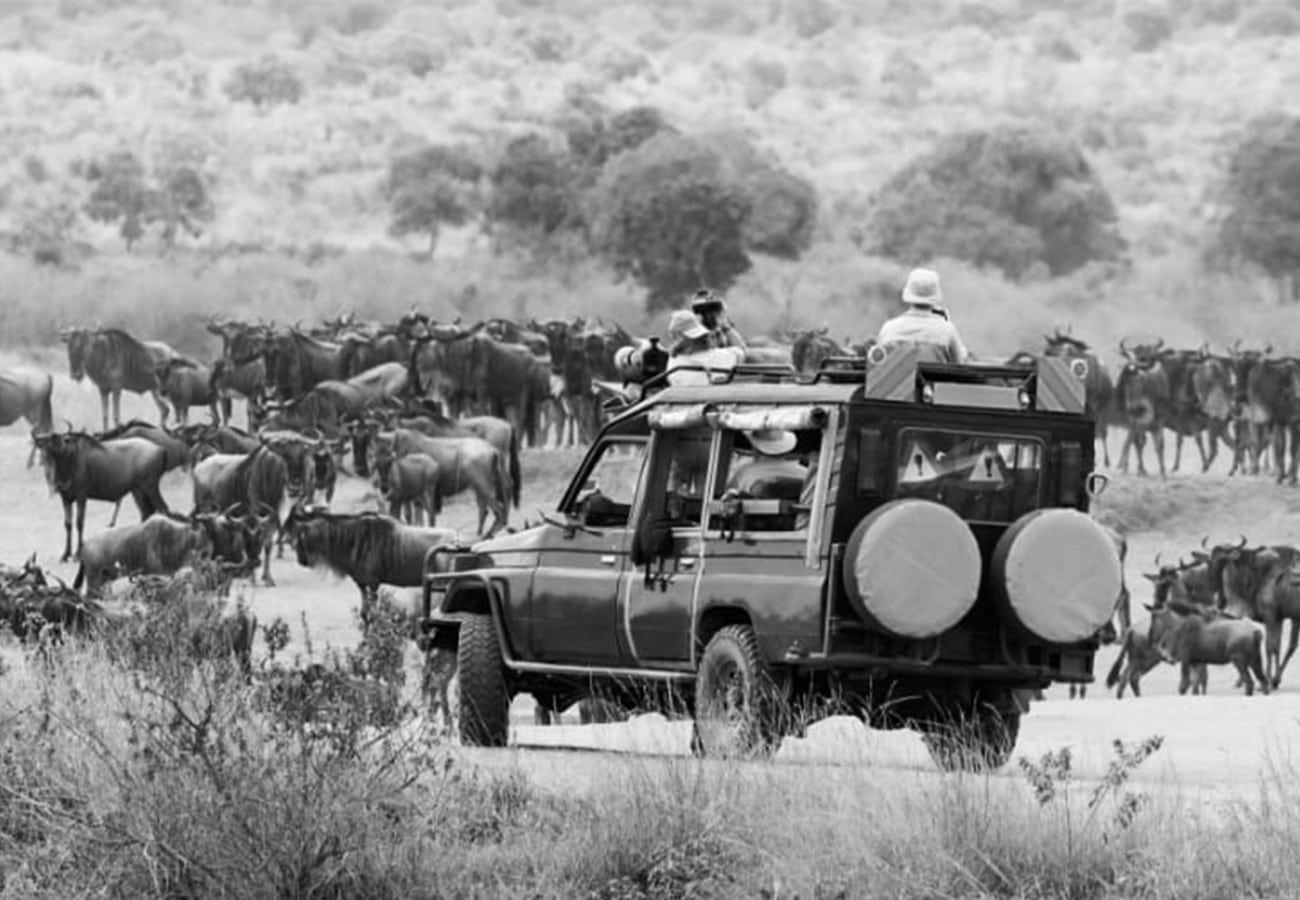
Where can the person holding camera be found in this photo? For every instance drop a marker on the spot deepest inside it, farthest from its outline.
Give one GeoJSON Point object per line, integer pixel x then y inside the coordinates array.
{"type": "Point", "coordinates": [692, 350]}
{"type": "Point", "coordinates": [925, 323]}
{"type": "Point", "coordinates": [712, 313]}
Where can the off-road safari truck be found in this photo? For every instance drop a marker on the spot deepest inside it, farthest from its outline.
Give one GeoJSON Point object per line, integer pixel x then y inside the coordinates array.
{"type": "Point", "coordinates": [905, 541]}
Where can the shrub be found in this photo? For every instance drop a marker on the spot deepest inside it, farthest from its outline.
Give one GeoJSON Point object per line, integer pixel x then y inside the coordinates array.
{"type": "Point", "coordinates": [595, 138]}
{"type": "Point", "coordinates": [266, 82]}
{"type": "Point", "coordinates": [1213, 12]}
{"type": "Point", "coordinates": [1007, 198]}
{"type": "Point", "coordinates": [1147, 27]}
{"type": "Point", "coordinates": [120, 194]}
{"type": "Point", "coordinates": [763, 78]}
{"type": "Point", "coordinates": [667, 215]}
{"type": "Point", "coordinates": [1271, 20]}
{"type": "Point", "coordinates": [905, 78]}
{"type": "Point", "coordinates": [361, 17]}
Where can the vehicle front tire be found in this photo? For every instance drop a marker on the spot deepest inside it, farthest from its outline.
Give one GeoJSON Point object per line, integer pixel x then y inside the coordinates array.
{"type": "Point", "coordinates": [980, 740]}
{"type": "Point", "coordinates": [736, 699]}
{"type": "Point", "coordinates": [484, 701]}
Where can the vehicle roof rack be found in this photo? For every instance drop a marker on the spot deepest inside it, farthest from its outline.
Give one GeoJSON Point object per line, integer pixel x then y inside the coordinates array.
{"type": "Point", "coordinates": [1044, 384]}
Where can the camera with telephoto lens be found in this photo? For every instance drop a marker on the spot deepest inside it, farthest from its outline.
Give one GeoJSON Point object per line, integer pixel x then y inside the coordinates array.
{"type": "Point", "coordinates": [637, 365]}
{"type": "Point", "coordinates": [707, 307]}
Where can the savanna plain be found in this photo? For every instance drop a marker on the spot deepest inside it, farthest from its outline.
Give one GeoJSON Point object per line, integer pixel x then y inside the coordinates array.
{"type": "Point", "coordinates": [126, 772]}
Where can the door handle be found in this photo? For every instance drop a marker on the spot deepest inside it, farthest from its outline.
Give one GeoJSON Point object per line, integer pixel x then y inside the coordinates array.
{"type": "Point", "coordinates": [608, 559]}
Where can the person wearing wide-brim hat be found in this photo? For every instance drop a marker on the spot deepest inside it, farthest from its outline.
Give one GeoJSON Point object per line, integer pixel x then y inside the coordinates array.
{"type": "Point", "coordinates": [925, 322]}
{"type": "Point", "coordinates": [690, 344]}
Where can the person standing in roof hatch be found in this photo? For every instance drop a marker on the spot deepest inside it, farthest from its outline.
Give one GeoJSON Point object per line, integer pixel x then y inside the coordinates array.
{"type": "Point", "coordinates": [925, 322]}
{"type": "Point", "coordinates": [712, 313]}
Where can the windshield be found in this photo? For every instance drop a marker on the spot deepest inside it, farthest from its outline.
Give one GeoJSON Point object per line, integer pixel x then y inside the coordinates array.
{"type": "Point", "coordinates": [981, 477]}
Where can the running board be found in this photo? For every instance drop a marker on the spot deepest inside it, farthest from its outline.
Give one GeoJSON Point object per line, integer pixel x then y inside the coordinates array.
{"type": "Point", "coordinates": [586, 671]}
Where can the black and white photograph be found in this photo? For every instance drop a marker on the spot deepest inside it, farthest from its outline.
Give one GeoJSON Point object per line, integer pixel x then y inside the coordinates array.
{"type": "Point", "coordinates": [650, 449]}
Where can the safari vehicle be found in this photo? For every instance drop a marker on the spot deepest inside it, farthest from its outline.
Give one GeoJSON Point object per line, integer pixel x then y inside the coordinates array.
{"type": "Point", "coordinates": [905, 541]}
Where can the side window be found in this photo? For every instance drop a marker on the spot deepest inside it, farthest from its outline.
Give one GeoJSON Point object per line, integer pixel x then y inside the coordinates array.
{"type": "Point", "coordinates": [684, 461]}
{"type": "Point", "coordinates": [605, 500]}
{"type": "Point", "coordinates": [765, 480]}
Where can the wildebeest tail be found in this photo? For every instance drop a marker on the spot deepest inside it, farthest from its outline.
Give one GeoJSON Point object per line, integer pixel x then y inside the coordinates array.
{"type": "Point", "coordinates": [515, 480]}
{"type": "Point", "coordinates": [1112, 677]}
{"type": "Point", "coordinates": [504, 490]}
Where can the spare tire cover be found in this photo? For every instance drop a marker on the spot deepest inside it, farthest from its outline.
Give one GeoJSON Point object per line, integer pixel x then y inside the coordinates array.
{"type": "Point", "coordinates": [912, 568]}
{"type": "Point", "coordinates": [1059, 573]}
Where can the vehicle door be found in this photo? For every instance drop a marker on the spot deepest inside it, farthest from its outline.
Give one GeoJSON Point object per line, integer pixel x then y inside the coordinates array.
{"type": "Point", "coordinates": [659, 598]}
{"type": "Point", "coordinates": [581, 553]}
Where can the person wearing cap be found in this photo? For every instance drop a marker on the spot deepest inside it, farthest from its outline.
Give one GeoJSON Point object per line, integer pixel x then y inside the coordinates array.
{"type": "Point", "coordinates": [690, 345]}
{"type": "Point", "coordinates": [925, 322]}
{"type": "Point", "coordinates": [712, 313]}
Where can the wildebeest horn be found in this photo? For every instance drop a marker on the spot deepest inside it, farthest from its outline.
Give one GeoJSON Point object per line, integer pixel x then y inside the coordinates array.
{"type": "Point", "coordinates": [1157, 561]}
{"type": "Point", "coordinates": [1158, 345]}
{"type": "Point", "coordinates": [1242, 545]}
{"type": "Point", "coordinates": [1123, 348]}
{"type": "Point", "coordinates": [1268, 348]}
{"type": "Point", "coordinates": [1205, 542]}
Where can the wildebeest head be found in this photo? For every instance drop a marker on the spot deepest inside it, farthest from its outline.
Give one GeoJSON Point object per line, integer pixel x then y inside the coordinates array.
{"type": "Point", "coordinates": [385, 456]}
{"type": "Point", "coordinates": [78, 341]}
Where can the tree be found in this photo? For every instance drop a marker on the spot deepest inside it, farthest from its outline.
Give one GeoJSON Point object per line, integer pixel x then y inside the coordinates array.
{"type": "Point", "coordinates": [264, 83]}
{"type": "Point", "coordinates": [432, 187]}
{"type": "Point", "coordinates": [181, 202]}
{"type": "Point", "coordinates": [1011, 198]}
{"type": "Point", "coordinates": [120, 194]}
{"type": "Point", "coordinates": [594, 139]}
{"type": "Point", "coordinates": [1261, 224]}
{"type": "Point", "coordinates": [668, 215]}
{"type": "Point", "coordinates": [534, 189]}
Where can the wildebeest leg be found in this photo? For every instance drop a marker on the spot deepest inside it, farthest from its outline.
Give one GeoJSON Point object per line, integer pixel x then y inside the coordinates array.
{"type": "Point", "coordinates": [117, 508]}
{"type": "Point", "coordinates": [1290, 651]}
{"type": "Point", "coordinates": [103, 406]}
{"type": "Point", "coordinates": [67, 531]}
{"type": "Point", "coordinates": [1178, 450]}
{"type": "Point", "coordinates": [1200, 448]}
{"type": "Point", "coordinates": [81, 521]}
{"type": "Point", "coordinates": [1272, 650]}
{"type": "Point", "coordinates": [1102, 432]}
{"type": "Point", "coordinates": [1158, 444]}
{"type": "Point", "coordinates": [1184, 678]}
{"type": "Point", "coordinates": [1243, 669]}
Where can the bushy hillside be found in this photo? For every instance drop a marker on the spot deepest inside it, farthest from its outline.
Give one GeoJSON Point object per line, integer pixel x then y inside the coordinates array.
{"type": "Point", "coordinates": [843, 94]}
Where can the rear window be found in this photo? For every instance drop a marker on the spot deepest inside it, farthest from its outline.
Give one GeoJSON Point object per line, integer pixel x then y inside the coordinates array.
{"type": "Point", "coordinates": [981, 477]}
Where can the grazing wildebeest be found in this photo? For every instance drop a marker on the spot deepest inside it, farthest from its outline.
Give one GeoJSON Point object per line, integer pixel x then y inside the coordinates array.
{"type": "Point", "coordinates": [1183, 634]}
{"type": "Point", "coordinates": [410, 485]}
{"type": "Point", "coordinates": [185, 383]}
{"type": "Point", "coordinates": [369, 548]}
{"type": "Point", "coordinates": [115, 361]}
{"type": "Point", "coordinates": [84, 468]}
{"type": "Point", "coordinates": [1099, 391]}
{"type": "Point", "coordinates": [25, 394]}
{"type": "Point", "coordinates": [464, 463]}
{"type": "Point", "coordinates": [161, 545]}
{"type": "Point", "coordinates": [255, 482]}
{"type": "Point", "coordinates": [1143, 390]}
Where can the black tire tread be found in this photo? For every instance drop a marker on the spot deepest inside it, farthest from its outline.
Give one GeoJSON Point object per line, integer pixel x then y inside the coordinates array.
{"type": "Point", "coordinates": [765, 738]}
{"type": "Point", "coordinates": [484, 696]}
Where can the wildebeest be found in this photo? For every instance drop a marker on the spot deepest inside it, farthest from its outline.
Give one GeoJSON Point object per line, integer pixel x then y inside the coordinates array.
{"type": "Point", "coordinates": [361, 352]}
{"type": "Point", "coordinates": [162, 545]}
{"type": "Point", "coordinates": [810, 349]}
{"type": "Point", "coordinates": [1262, 583]}
{"type": "Point", "coordinates": [1137, 656]}
{"type": "Point", "coordinates": [32, 607]}
{"type": "Point", "coordinates": [1184, 634]}
{"type": "Point", "coordinates": [498, 432]}
{"type": "Point", "coordinates": [241, 370]}
{"type": "Point", "coordinates": [115, 361]}
{"type": "Point", "coordinates": [296, 362]}
{"type": "Point", "coordinates": [410, 485]}
{"type": "Point", "coordinates": [256, 482]}
{"type": "Point", "coordinates": [473, 374]}
{"type": "Point", "coordinates": [1143, 390]}
{"type": "Point", "coordinates": [25, 394]}
{"type": "Point", "coordinates": [468, 463]}
{"type": "Point", "coordinates": [1099, 391]}
{"type": "Point", "coordinates": [84, 468]}
{"type": "Point", "coordinates": [1212, 385]}
{"type": "Point", "coordinates": [369, 548]}
{"type": "Point", "coordinates": [184, 383]}
{"type": "Point", "coordinates": [1266, 393]}
{"type": "Point", "coordinates": [206, 439]}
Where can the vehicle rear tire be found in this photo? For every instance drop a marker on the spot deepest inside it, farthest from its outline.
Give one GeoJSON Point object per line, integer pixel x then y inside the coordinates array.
{"type": "Point", "coordinates": [736, 700]}
{"type": "Point", "coordinates": [980, 740]}
{"type": "Point", "coordinates": [484, 702]}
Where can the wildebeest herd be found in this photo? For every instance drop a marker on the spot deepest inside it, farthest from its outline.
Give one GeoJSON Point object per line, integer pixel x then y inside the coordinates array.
{"type": "Point", "coordinates": [429, 410]}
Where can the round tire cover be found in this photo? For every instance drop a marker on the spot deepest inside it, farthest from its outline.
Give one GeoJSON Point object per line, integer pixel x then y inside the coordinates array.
{"type": "Point", "coordinates": [1060, 574]}
{"type": "Point", "coordinates": [912, 568]}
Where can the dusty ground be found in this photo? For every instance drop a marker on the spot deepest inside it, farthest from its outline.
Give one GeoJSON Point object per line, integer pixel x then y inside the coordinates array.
{"type": "Point", "coordinates": [1215, 746]}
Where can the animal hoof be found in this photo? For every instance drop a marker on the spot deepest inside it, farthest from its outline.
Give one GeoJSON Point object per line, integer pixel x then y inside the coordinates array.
{"type": "Point", "coordinates": [268, 581]}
